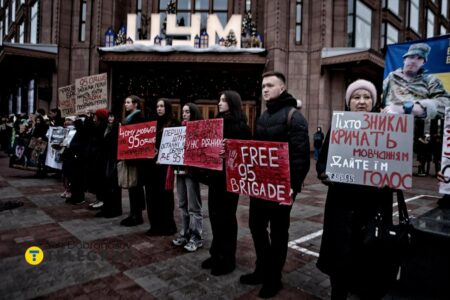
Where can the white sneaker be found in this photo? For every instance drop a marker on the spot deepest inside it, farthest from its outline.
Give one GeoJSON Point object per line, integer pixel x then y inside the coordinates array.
{"type": "Point", "coordinates": [193, 245]}
{"type": "Point", "coordinates": [180, 241]}
{"type": "Point", "coordinates": [98, 204]}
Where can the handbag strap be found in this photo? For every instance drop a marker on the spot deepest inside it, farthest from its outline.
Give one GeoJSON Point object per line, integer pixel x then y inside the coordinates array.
{"type": "Point", "coordinates": [402, 210]}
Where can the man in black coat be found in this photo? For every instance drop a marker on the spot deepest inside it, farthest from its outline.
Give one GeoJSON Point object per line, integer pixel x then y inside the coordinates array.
{"type": "Point", "coordinates": [274, 125]}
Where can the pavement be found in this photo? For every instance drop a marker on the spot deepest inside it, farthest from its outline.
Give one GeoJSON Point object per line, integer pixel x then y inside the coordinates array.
{"type": "Point", "coordinates": [95, 258]}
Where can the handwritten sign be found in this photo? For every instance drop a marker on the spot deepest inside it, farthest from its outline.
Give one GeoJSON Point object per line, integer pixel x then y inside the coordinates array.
{"type": "Point", "coordinates": [91, 93]}
{"type": "Point", "coordinates": [171, 150]}
{"type": "Point", "coordinates": [203, 144]}
{"type": "Point", "coordinates": [258, 169]}
{"type": "Point", "coordinates": [66, 96]}
{"type": "Point", "coordinates": [444, 187]}
{"type": "Point", "coordinates": [137, 141]}
{"type": "Point", "coordinates": [371, 149]}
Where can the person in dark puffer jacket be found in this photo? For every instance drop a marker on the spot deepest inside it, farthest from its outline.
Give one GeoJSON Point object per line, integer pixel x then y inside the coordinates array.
{"type": "Point", "coordinates": [273, 125]}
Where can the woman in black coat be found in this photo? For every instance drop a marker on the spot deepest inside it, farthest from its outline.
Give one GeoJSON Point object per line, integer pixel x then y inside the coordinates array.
{"type": "Point", "coordinates": [159, 196]}
{"type": "Point", "coordinates": [110, 193]}
{"type": "Point", "coordinates": [222, 205]}
{"type": "Point", "coordinates": [348, 208]}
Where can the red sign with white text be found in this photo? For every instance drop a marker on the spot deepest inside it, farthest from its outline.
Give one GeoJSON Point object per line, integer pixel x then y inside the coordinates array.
{"type": "Point", "coordinates": [258, 169]}
{"type": "Point", "coordinates": [203, 144]}
{"type": "Point", "coordinates": [137, 141]}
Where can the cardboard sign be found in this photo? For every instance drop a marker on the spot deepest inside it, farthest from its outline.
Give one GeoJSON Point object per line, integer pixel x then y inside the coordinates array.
{"type": "Point", "coordinates": [444, 187]}
{"type": "Point", "coordinates": [258, 169]}
{"type": "Point", "coordinates": [66, 96]}
{"type": "Point", "coordinates": [372, 149]}
{"type": "Point", "coordinates": [91, 93]}
{"type": "Point", "coordinates": [203, 144]}
{"type": "Point", "coordinates": [171, 150]}
{"type": "Point", "coordinates": [137, 141]}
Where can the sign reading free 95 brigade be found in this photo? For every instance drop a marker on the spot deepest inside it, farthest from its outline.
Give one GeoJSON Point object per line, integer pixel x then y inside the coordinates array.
{"type": "Point", "coordinates": [258, 169]}
{"type": "Point", "coordinates": [373, 149]}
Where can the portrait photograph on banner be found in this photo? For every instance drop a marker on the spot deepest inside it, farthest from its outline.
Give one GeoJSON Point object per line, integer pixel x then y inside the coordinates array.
{"type": "Point", "coordinates": [137, 141]}
{"type": "Point", "coordinates": [203, 144]}
{"type": "Point", "coordinates": [371, 149]}
{"type": "Point", "coordinates": [258, 169]}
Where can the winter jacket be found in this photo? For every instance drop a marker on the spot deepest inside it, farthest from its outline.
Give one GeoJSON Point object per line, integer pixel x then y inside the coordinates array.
{"type": "Point", "coordinates": [273, 126]}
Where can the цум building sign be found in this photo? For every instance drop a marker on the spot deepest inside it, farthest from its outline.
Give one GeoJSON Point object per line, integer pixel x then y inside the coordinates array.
{"type": "Point", "coordinates": [213, 27]}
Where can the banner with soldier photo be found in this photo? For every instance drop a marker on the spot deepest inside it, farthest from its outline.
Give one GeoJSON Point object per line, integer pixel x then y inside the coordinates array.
{"type": "Point", "coordinates": [28, 153]}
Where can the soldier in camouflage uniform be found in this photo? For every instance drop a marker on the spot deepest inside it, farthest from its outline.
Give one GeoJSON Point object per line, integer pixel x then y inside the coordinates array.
{"type": "Point", "coordinates": [410, 90]}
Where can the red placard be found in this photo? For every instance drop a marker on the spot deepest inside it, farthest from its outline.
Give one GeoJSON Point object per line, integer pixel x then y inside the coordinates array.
{"type": "Point", "coordinates": [203, 144]}
{"type": "Point", "coordinates": [258, 169]}
{"type": "Point", "coordinates": [137, 141]}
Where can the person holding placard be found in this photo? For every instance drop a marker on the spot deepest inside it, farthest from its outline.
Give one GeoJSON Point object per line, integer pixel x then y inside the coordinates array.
{"type": "Point", "coordinates": [159, 186]}
{"type": "Point", "coordinates": [281, 122]}
{"type": "Point", "coordinates": [133, 113]}
{"type": "Point", "coordinates": [348, 208]}
{"type": "Point", "coordinates": [189, 200]}
{"type": "Point", "coordinates": [222, 205]}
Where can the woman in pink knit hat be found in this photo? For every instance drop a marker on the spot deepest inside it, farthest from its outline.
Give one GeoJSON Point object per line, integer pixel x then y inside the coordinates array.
{"type": "Point", "coordinates": [348, 208]}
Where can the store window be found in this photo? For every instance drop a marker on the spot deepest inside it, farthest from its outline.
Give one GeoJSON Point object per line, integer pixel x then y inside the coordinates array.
{"type": "Point", "coordinates": [444, 8]}
{"type": "Point", "coordinates": [82, 30]}
{"type": "Point", "coordinates": [248, 5]}
{"type": "Point", "coordinates": [22, 33]}
{"type": "Point", "coordinates": [6, 20]}
{"type": "Point", "coordinates": [389, 34]}
{"type": "Point", "coordinates": [392, 5]}
{"type": "Point", "coordinates": [13, 10]}
{"type": "Point", "coordinates": [184, 9]}
{"type": "Point", "coordinates": [359, 25]}
{"type": "Point", "coordinates": [138, 15]}
{"type": "Point", "coordinates": [413, 20]}
{"type": "Point", "coordinates": [443, 30]}
{"type": "Point", "coordinates": [430, 23]}
{"type": "Point", "coordinates": [34, 31]}
{"type": "Point", "coordinates": [298, 21]}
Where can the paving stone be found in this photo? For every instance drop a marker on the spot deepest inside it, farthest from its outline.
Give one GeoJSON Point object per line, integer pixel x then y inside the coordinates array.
{"type": "Point", "coordinates": [26, 281]}
{"type": "Point", "coordinates": [9, 192]}
{"type": "Point", "coordinates": [27, 216]}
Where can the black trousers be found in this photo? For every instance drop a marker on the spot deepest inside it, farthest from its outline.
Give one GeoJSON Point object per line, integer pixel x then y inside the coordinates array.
{"type": "Point", "coordinates": [222, 207]}
{"type": "Point", "coordinates": [160, 202]}
{"type": "Point", "coordinates": [271, 248]}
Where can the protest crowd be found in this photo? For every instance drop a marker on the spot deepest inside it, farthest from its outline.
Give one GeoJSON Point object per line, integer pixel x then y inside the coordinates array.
{"type": "Point", "coordinates": [84, 150]}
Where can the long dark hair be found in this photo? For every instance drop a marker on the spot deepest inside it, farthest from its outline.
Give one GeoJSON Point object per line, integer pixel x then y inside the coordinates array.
{"type": "Point", "coordinates": [194, 111]}
{"type": "Point", "coordinates": [235, 106]}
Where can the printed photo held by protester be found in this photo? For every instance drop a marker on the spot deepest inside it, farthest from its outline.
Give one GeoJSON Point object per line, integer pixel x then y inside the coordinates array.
{"type": "Point", "coordinates": [273, 125]}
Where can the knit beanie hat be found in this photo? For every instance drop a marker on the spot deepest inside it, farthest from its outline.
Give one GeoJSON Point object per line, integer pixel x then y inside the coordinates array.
{"type": "Point", "coordinates": [102, 114]}
{"type": "Point", "coordinates": [361, 84]}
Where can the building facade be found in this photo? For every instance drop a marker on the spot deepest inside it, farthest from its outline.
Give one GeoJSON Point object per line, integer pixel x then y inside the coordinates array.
{"type": "Point", "coordinates": [321, 46]}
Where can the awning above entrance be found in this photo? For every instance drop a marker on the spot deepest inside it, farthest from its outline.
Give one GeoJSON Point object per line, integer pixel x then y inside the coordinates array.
{"type": "Point", "coordinates": [37, 51]}
{"type": "Point", "coordinates": [20, 59]}
{"type": "Point", "coordinates": [360, 62]}
{"type": "Point", "coordinates": [141, 53]}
